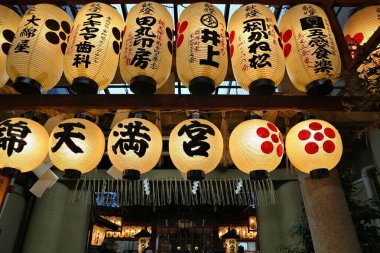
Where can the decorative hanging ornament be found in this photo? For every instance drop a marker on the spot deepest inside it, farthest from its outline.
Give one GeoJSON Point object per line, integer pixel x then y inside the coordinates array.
{"type": "Point", "coordinates": [230, 241]}
{"type": "Point", "coordinates": [9, 21]}
{"type": "Point", "coordinates": [76, 146]}
{"type": "Point", "coordinates": [195, 147]}
{"type": "Point", "coordinates": [146, 56]}
{"type": "Point", "coordinates": [24, 145]}
{"type": "Point", "coordinates": [358, 30]}
{"type": "Point", "coordinates": [143, 240]}
{"type": "Point", "coordinates": [134, 146]}
{"type": "Point", "coordinates": [93, 50]}
{"type": "Point", "coordinates": [256, 147]}
{"type": "Point", "coordinates": [201, 58]}
{"type": "Point", "coordinates": [311, 53]}
{"type": "Point", "coordinates": [314, 146]}
{"type": "Point", "coordinates": [35, 60]}
{"type": "Point", "coordinates": [256, 49]}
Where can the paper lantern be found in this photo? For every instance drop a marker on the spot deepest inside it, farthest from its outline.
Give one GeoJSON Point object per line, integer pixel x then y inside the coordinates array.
{"type": "Point", "coordinates": [134, 146]}
{"type": "Point", "coordinates": [23, 145]}
{"type": "Point", "coordinates": [35, 60]}
{"type": "Point", "coordinates": [143, 240]}
{"type": "Point", "coordinates": [256, 147]}
{"type": "Point", "coordinates": [255, 48]}
{"type": "Point", "coordinates": [76, 146]}
{"type": "Point", "coordinates": [311, 53]}
{"type": "Point", "coordinates": [9, 21]}
{"type": "Point", "coordinates": [93, 50]}
{"type": "Point", "coordinates": [146, 56]}
{"type": "Point", "coordinates": [230, 241]}
{"type": "Point", "coordinates": [98, 235]}
{"type": "Point", "coordinates": [252, 223]}
{"type": "Point", "coordinates": [201, 58]}
{"type": "Point", "coordinates": [358, 30]}
{"type": "Point", "coordinates": [195, 147]}
{"type": "Point", "coordinates": [314, 146]}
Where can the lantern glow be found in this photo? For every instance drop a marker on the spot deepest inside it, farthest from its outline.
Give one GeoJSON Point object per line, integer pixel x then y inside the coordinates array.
{"type": "Point", "coordinates": [143, 240]}
{"type": "Point", "coordinates": [230, 241]}
{"type": "Point", "coordinates": [98, 235]}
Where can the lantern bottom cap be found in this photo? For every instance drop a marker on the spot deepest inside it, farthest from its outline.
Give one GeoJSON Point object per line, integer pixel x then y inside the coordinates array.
{"type": "Point", "coordinates": [131, 174]}
{"type": "Point", "coordinates": [202, 86]}
{"type": "Point", "coordinates": [71, 174]}
{"type": "Point", "coordinates": [27, 85]}
{"type": "Point", "coordinates": [143, 85]}
{"type": "Point", "coordinates": [320, 87]}
{"type": "Point", "coordinates": [195, 175]}
{"type": "Point", "coordinates": [319, 173]}
{"type": "Point", "coordinates": [84, 85]}
{"type": "Point", "coordinates": [9, 172]}
{"type": "Point", "coordinates": [263, 87]}
{"type": "Point", "coordinates": [258, 175]}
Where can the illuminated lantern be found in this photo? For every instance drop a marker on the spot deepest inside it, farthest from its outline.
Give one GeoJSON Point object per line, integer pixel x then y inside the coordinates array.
{"type": "Point", "coordinates": [252, 223]}
{"type": "Point", "coordinates": [230, 241]}
{"type": "Point", "coordinates": [93, 50]}
{"type": "Point", "coordinates": [143, 240]}
{"type": "Point", "coordinates": [97, 236]}
{"type": "Point", "coordinates": [76, 146]}
{"type": "Point", "coordinates": [24, 145]}
{"type": "Point", "coordinates": [195, 147]}
{"type": "Point", "coordinates": [201, 58]}
{"type": "Point", "coordinates": [314, 146]}
{"type": "Point", "coordinates": [9, 21]}
{"type": "Point", "coordinates": [35, 60]}
{"type": "Point", "coordinates": [255, 48]}
{"type": "Point", "coordinates": [256, 147]}
{"type": "Point", "coordinates": [358, 29]}
{"type": "Point", "coordinates": [311, 53]}
{"type": "Point", "coordinates": [134, 146]}
{"type": "Point", "coordinates": [146, 56]}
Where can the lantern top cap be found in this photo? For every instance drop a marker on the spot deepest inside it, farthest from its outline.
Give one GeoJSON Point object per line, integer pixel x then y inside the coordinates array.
{"type": "Point", "coordinates": [143, 233]}
{"type": "Point", "coordinates": [231, 234]}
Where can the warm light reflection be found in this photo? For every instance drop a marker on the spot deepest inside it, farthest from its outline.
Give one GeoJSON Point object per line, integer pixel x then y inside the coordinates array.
{"type": "Point", "coordinates": [241, 231]}
{"type": "Point", "coordinates": [98, 234]}
{"type": "Point", "coordinates": [127, 232]}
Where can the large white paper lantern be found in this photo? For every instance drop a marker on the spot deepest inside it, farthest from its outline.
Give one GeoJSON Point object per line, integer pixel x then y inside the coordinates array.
{"type": "Point", "coordinates": [196, 147]}
{"type": "Point", "coordinates": [76, 146]}
{"type": "Point", "coordinates": [134, 147]}
{"type": "Point", "coordinates": [256, 147]}
{"type": "Point", "coordinates": [314, 146]}
{"type": "Point", "coordinates": [23, 145]}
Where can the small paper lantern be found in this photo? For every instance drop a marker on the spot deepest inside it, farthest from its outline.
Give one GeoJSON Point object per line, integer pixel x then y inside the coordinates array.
{"type": "Point", "coordinates": [230, 241]}
{"type": "Point", "coordinates": [98, 235]}
{"type": "Point", "coordinates": [143, 240]}
{"type": "Point", "coordinates": [9, 21]}
{"type": "Point", "coordinates": [311, 53]}
{"type": "Point", "coordinates": [93, 50]}
{"type": "Point", "coordinates": [252, 223]}
{"type": "Point", "coordinates": [146, 56]}
{"type": "Point", "coordinates": [195, 147]}
{"type": "Point", "coordinates": [134, 147]}
{"type": "Point", "coordinates": [255, 48]}
{"type": "Point", "coordinates": [201, 58]}
{"type": "Point", "coordinates": [256, 147]}
{"type": "Point", "coordinates": [23, 145]}
{"type": "Point", "coordinates": [76, 146]}
{"type": "Point", "coordinates": [358, 30]}
{"type": "Point", "coordinates": [35, 60]}
{"type": "Point", "coordinates": [314, 146]}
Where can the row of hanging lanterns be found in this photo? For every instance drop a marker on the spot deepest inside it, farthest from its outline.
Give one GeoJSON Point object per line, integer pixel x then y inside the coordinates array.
{"type": "Point", "coordinates": [256, 146]}
{"type": "Point", "coordinates": [88, 50]}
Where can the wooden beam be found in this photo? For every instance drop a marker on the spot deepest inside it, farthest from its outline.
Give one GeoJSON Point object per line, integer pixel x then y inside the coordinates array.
{"type": "Point", "coordinates": [176, 102]}
{"type": "Point", "coordinates": [269, 2]}
{"type": "Point", "coordinates": [367, 49]}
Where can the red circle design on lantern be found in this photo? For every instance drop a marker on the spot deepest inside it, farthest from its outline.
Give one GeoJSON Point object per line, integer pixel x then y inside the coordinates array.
{"type": "Point", "coordinates": [280, 137]}
{"type": "Point", "coordinates": [180, 40]}
{"type": "Point", "coordinates": [272, 127]}
{"type": "Point", "coordinates": [280, 150]}
{"type": "Point", "coordinates": [280, 35]}
{"type": "Point", "coordinates": [287, 35]}
{"type": "Point", "coordinates": [287, 49]}
{"type": "Point", "coordinates": [315, 126]}
{"type": "Point", "coordinates": [303, 135]}
{"type": "Point", "coordinates": [329, 133]}
{"type": "Point", "coordinates": [318, 136]}
{"type": "Point", "coordinates": [274, 138]}
{"type": "Point", "coordinates": [262, 132]}
{"type": "Point", "coordinates": [232, 36]}
{"type": "Point", "coordinates": [311, 148]}
{"type": "Point", "coordinates": [267, 147]}
{"type": "Point", "coordinates": [328, 146]}
{"type": "Point", "coordinates": [232, 49]}
{"type": "Point", "coordinates": [183, 26]}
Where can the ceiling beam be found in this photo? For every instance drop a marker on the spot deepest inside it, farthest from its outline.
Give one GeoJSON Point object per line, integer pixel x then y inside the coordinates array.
{"type": "Point", "coordinates": [367, 48]}
{"type": "Point", "coordinates": [177, 102]}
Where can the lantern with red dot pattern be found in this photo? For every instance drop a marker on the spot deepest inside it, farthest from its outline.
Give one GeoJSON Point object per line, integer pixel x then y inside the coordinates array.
{"type": "Point", "coordinates": [256, 147]}
{"type": "Point", "coordinates": [314, 146]}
